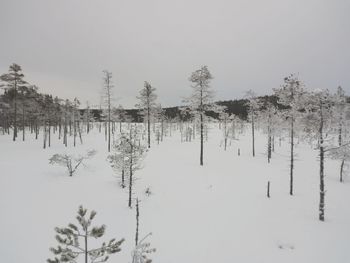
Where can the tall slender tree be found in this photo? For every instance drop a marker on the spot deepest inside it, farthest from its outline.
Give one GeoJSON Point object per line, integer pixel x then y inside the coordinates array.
{"type": "Point", "coordinates": [201, 100]}
{"type": "Point", "coordinates": [319, 116]}
{"type": "Point", "coordinates": [291, 96]}
{"type": "Point", "coordinates": [147, 103]}
{"type": "Point", "coordinates": [254, 105]}
{"type": "Point", "coordinates": [107, 97]}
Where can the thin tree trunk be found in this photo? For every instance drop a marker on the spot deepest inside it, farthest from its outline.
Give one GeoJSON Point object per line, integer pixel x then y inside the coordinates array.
{"type": "Point", "coordinates": [86, 246]}
{"type": "Point", "coordinates": [15, 117]}
{"type": "Point", "coordinates": [341, 170]}
{"type": "Point", "coordinates": [131, 171]}
{"type": "Point", "coordinates": [149, 126]}
{"type": "Point", "coordinates": [137, 222]}
{"type": "Point", "coordinates": [23, 124]}
{"type": "Point", "coordinates": [253, 134]}
{"type": "Point", "coordinates": [322, 190]}
{"type": "Point", "coordinates": [201, 151]}
{"type": "Point", "coordinates": [291, 156]}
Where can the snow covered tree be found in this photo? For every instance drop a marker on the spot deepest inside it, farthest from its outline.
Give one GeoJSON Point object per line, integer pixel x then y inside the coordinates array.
{"type": "Point", "coordinates": [341, 153]}
{"type": "Point", "coordinates": [121, 116]}
{"type": "Point", "coordinates": [318, 121]}
{"type": "Point", "coordinates": [254, 105]}
{"type": "Point", "coordinates": [270, 120]}
{"type": "Point", "coordinates": [340, 121]}
{"type": "Point", "coordinates": [119, 159]}
{"type": "Point", "coordinates": [225, 119]}
{"type": "Point", "coordinates": [147, 104]}
{"type": "Point", "coordinates": [127, 157]}
{"type": "Point", "coordinates": [291, 96]}
{"type": "Point", "coordinates": [71, 162]}
{"type": "Point", "coordinates": [201, 100]}
{"type": "Point", "coordinates": [107, 98]}
{"type": "Point", "coordinates": [141, 251]}
{"type": "Point", "coordinates": [161, 119]}
{"type": "Point", "coordinates": [14, 81]}
{"type": "Point", "coordinates": [340, 107]}
{"type": "Point", "coordinates": [73, 241]}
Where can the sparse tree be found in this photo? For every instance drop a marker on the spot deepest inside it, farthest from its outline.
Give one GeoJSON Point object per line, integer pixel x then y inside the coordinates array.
{"type": "Point", "coordinates": [341, 153]}
{"type": "Point", "coordinates": [318, 124]}
{"type": "Point", "coordinates": [107, 97]}
{"type": "Point", "coordinates": [201, 100]}
{"type": "Point", "coordinates": [254, 105]}
{"type": "Point", "coordinates": [127, 157]}
{"type": "Point", "coordinates": [71, 162]}
{"type": "Point", "coordinates": [291, 96]}
{"type": "Point", "coordinates": [147, 104]}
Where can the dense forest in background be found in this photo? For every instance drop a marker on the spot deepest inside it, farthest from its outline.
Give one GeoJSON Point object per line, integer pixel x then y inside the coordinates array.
{"type": "Point", "coordinates": [238, 107]}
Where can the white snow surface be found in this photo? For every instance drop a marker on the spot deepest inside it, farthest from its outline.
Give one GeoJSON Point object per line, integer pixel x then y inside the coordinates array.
{"type": "Point", "coordinates": [215, 213]}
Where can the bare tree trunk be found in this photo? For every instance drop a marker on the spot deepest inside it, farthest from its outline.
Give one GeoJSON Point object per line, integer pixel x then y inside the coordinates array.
{"type": "Point", "coordinates": [291, 156]}
{"type": "Point", "coordinates": [49, 133]}
{"type": "Point", "coordinates": [149, 126]}
{"type": "Point", "coordinates": [137, 222]}
{"type": "Point", "coordinates": [131, 171]}
{"type": "Point", "coordinates": [123, 178]}
{"type": "Point", "coordinates": [15, 117]}
{"type": "Point", "coordinates": [44, 134]}
{"type": "Point", "coordinates": [201, 151]}
{"type": "Point", "coordinates": [269, 148]}
{"type": "Point", "coordinates": [253, 134]}
{"type": "Point", "coordinates": [109, 125]}
{"type": "Point", "coordinates": [86, 245]}
{"type": "Point", "coordinates": [23, 124]}
{"type": "Point", "coordinates": [322, 190]}
{"type": "Point", "coordinates": [341, 170]}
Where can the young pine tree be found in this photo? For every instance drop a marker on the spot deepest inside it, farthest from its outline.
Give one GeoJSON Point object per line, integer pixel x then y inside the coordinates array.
{"type": "Point", "coordinates": [127, 157]}
{"type": "Point", "coordinates": [74, 241]}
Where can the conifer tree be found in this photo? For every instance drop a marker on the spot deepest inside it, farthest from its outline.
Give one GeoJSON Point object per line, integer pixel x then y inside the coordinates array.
{"type": "Point", "coordinates": [73, 241]}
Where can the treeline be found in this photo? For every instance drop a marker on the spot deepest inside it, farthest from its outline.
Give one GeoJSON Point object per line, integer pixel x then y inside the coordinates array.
{"type": "Point", "coordinates": [23, 108]}
{"type": "Point", "coordinates": [237, 107]}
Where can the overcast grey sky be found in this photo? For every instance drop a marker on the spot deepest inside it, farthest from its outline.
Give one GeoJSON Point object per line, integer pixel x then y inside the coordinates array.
{"type": "Point", "coordinates": [63, 45]}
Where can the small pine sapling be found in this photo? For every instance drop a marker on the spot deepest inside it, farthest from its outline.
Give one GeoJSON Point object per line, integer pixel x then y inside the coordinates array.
{"type": "Point", "coordinates": [70, 248]}
{"type": "Point", "coordinates": [142, 250]}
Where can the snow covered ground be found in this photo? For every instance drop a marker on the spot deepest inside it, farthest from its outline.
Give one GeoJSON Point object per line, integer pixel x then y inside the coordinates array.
{"type": "Point", "coordinates": [215, 213]}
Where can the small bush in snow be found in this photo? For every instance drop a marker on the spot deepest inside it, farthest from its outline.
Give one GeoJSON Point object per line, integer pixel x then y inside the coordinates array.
{"type": "Point", "coordinates": [71, 162]}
